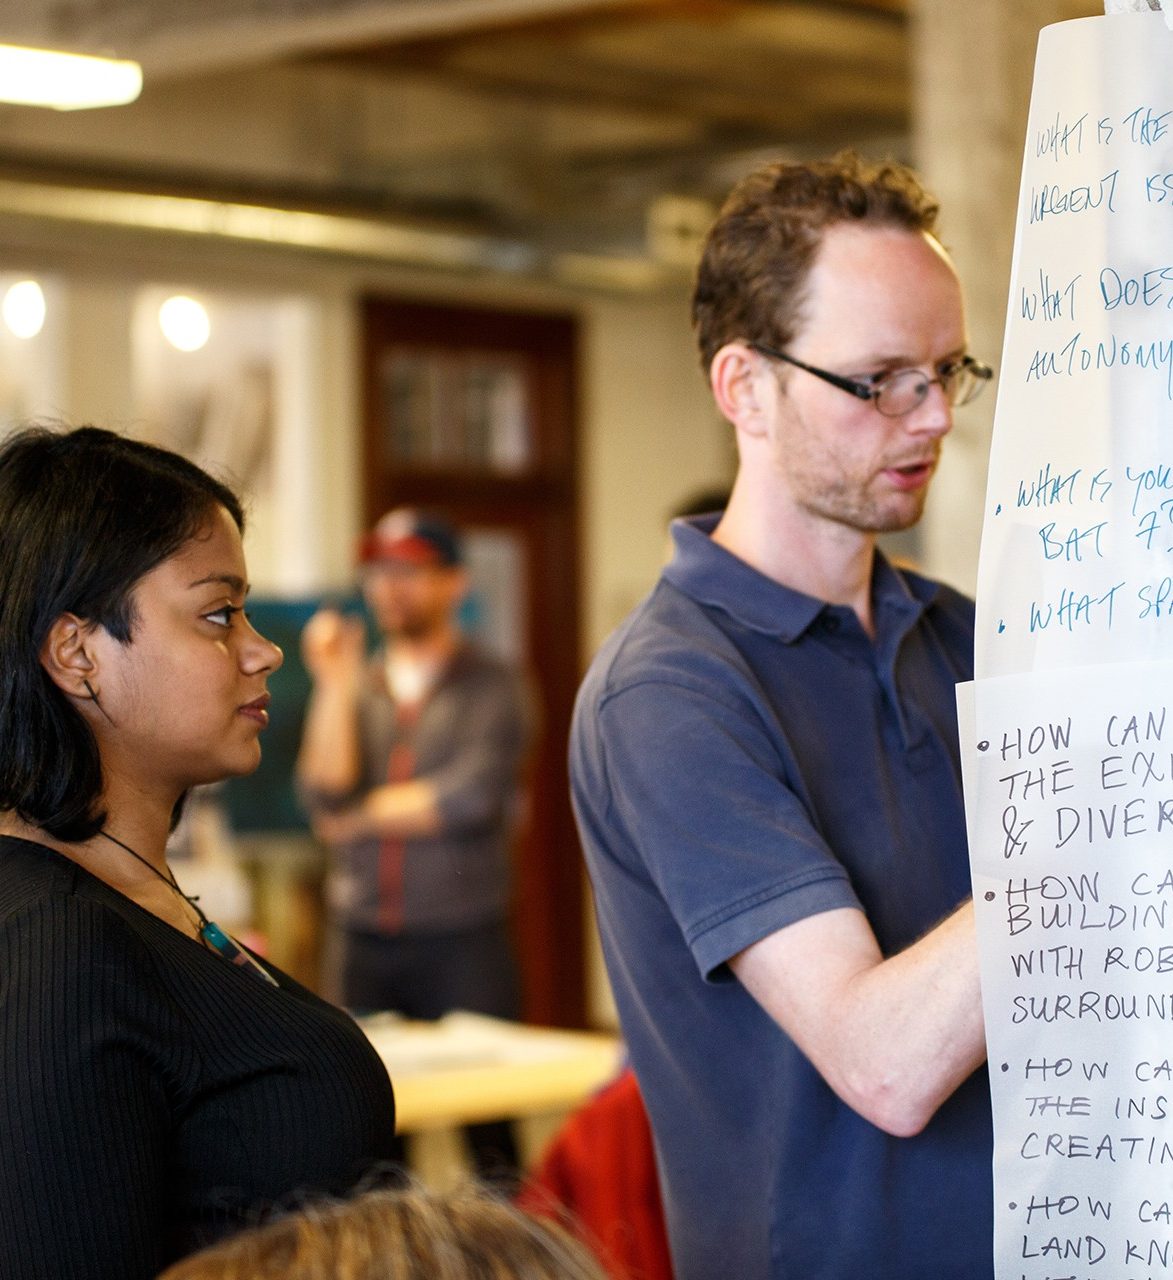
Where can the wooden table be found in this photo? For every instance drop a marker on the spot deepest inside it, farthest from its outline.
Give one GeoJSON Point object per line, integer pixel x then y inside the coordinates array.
{"type": "Point", "coordinates": [466, 1067]}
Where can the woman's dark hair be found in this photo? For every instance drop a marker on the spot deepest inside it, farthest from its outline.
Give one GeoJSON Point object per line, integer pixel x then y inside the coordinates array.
{"type": "Point", "coordinates": [84, 514]}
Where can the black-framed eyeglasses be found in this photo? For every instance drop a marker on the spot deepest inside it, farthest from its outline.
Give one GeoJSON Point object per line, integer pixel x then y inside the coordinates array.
{"type": "Point", "coordinates": [900, 392]}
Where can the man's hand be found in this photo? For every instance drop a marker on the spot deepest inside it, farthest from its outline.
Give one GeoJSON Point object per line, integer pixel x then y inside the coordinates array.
{"type": "Point", "coordinates": [333, 648]}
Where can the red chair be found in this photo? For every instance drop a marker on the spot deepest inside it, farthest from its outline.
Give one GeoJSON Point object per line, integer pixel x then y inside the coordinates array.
{"type": "Point", "coordinates": [598, 1177]}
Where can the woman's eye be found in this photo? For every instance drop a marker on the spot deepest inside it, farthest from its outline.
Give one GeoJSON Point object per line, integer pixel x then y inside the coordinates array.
{"type": "Point", "coordinates": [223, 617]}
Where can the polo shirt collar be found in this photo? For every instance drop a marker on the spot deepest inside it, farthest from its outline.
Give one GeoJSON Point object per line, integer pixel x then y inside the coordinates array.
{"type": "Point", "coordinates": [712, 575]}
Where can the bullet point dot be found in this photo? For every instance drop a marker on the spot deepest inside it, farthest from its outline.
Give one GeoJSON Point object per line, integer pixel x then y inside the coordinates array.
{"type": "Point", "coordinates": [1013, 1204]}
{"type": "Point", "coordinates": [990, 895]}
{"type": "Point", "coordinates": [984, 745]}
{"type": "Point", "coordinates": [1005, 1066]}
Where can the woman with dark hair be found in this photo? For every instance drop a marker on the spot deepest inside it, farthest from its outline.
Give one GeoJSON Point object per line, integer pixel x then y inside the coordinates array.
{"type": "Point", "coordinates": [160, 1087]}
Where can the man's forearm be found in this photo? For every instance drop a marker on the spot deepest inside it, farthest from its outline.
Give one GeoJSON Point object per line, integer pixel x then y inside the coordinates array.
{"type": "Point", "coordinates": [329, 759]}
{"type": "Point", "coordinates": [399, 810]}
{"type": "Point", "coordinates": [893, 1037]}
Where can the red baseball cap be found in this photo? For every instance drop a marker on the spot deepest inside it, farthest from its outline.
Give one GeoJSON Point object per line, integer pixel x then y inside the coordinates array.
{"type": "Point", "coordinates": [408, 536]}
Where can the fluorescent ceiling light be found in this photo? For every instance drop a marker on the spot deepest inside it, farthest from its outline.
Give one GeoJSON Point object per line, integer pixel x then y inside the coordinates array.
{"type": "Point", "coordinates": [66, 81]}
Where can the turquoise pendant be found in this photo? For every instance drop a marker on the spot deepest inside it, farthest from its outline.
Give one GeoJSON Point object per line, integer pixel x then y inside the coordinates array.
{"type": "Point", "coordinates": [235, 954]}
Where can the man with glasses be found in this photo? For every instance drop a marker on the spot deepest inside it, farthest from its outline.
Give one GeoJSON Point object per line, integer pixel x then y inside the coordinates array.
{"type": "Point", "coordinates": [766, 772]}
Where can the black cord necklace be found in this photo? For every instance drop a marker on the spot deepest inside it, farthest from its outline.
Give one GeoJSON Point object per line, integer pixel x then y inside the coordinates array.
{"type": "Point", "coordinates": [210, 932]}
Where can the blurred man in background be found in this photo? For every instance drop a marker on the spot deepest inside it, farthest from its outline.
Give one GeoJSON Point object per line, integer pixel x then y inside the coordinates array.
{"type": "Point", "coordinates": [411, 762]}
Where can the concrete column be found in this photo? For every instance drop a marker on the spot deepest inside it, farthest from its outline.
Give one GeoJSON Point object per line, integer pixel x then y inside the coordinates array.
{"type": "Point", "coordinates": [972, 77]}
{"type": "Point", "coordinates": [99, 375]}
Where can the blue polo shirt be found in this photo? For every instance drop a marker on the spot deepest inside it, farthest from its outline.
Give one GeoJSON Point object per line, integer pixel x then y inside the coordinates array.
{"type": "Point", "coordinates": [742, 757]}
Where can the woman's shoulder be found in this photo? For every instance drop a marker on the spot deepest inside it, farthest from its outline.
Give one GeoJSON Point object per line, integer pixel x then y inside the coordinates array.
{"type": "Point", "coordinates": [77, 970]}
{"type": "Point", "coordinates": [30, 869]}
{"type": "Point", "coordinates": [53, 909]}
{"type": "Point", "coordinates": [31, 872]}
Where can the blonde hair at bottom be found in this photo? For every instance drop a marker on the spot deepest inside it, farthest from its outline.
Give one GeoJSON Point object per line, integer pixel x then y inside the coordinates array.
{"type": "Point", "coordinates": [401, 1234]}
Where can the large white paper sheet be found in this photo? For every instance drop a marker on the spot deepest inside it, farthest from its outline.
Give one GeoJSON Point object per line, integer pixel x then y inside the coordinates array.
{"type": "Point", "coordinates": [1072, 852]}
{"type": "Point", "coordinates": [1067, 730]}
{"type": "Point", "coordinates": [1077, 548]}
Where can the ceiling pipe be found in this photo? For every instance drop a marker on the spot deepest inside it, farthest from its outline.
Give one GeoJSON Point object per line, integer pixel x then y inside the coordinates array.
{"type": "Point", "coordinates": [337, 235]}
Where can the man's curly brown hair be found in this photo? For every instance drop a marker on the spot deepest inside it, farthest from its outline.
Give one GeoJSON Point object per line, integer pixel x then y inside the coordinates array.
{"type": "Point", "coordinates": [757, 257]}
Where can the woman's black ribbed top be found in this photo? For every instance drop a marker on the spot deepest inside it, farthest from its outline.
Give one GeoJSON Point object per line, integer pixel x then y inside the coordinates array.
{"type": "Point", "coordinates": [153, 1096]}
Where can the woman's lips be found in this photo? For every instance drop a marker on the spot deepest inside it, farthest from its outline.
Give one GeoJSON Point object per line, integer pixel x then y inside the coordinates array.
{"type": "Point", "coordinates": [258, 709]}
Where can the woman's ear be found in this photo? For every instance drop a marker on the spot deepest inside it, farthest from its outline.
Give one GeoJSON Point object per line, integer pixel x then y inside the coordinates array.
{"type": "Point", "coordinates": [735, 378]}
{"type": "Point", "coordinates": [67, 657]}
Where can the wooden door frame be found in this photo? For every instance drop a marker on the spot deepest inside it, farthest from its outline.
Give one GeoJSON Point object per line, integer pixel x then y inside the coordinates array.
{"type": "Point", "coordinates": [541, 506]}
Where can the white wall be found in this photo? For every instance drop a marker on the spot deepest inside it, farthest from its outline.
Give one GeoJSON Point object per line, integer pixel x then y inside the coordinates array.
{"type": "Point", "coordinates": [651, 438]}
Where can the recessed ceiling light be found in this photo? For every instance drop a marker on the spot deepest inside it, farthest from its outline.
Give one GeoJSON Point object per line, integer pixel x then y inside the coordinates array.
{"type": "Point", "coordinates": [185, 323]}
{"type": "Point", "coordinates": [24, 309]}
